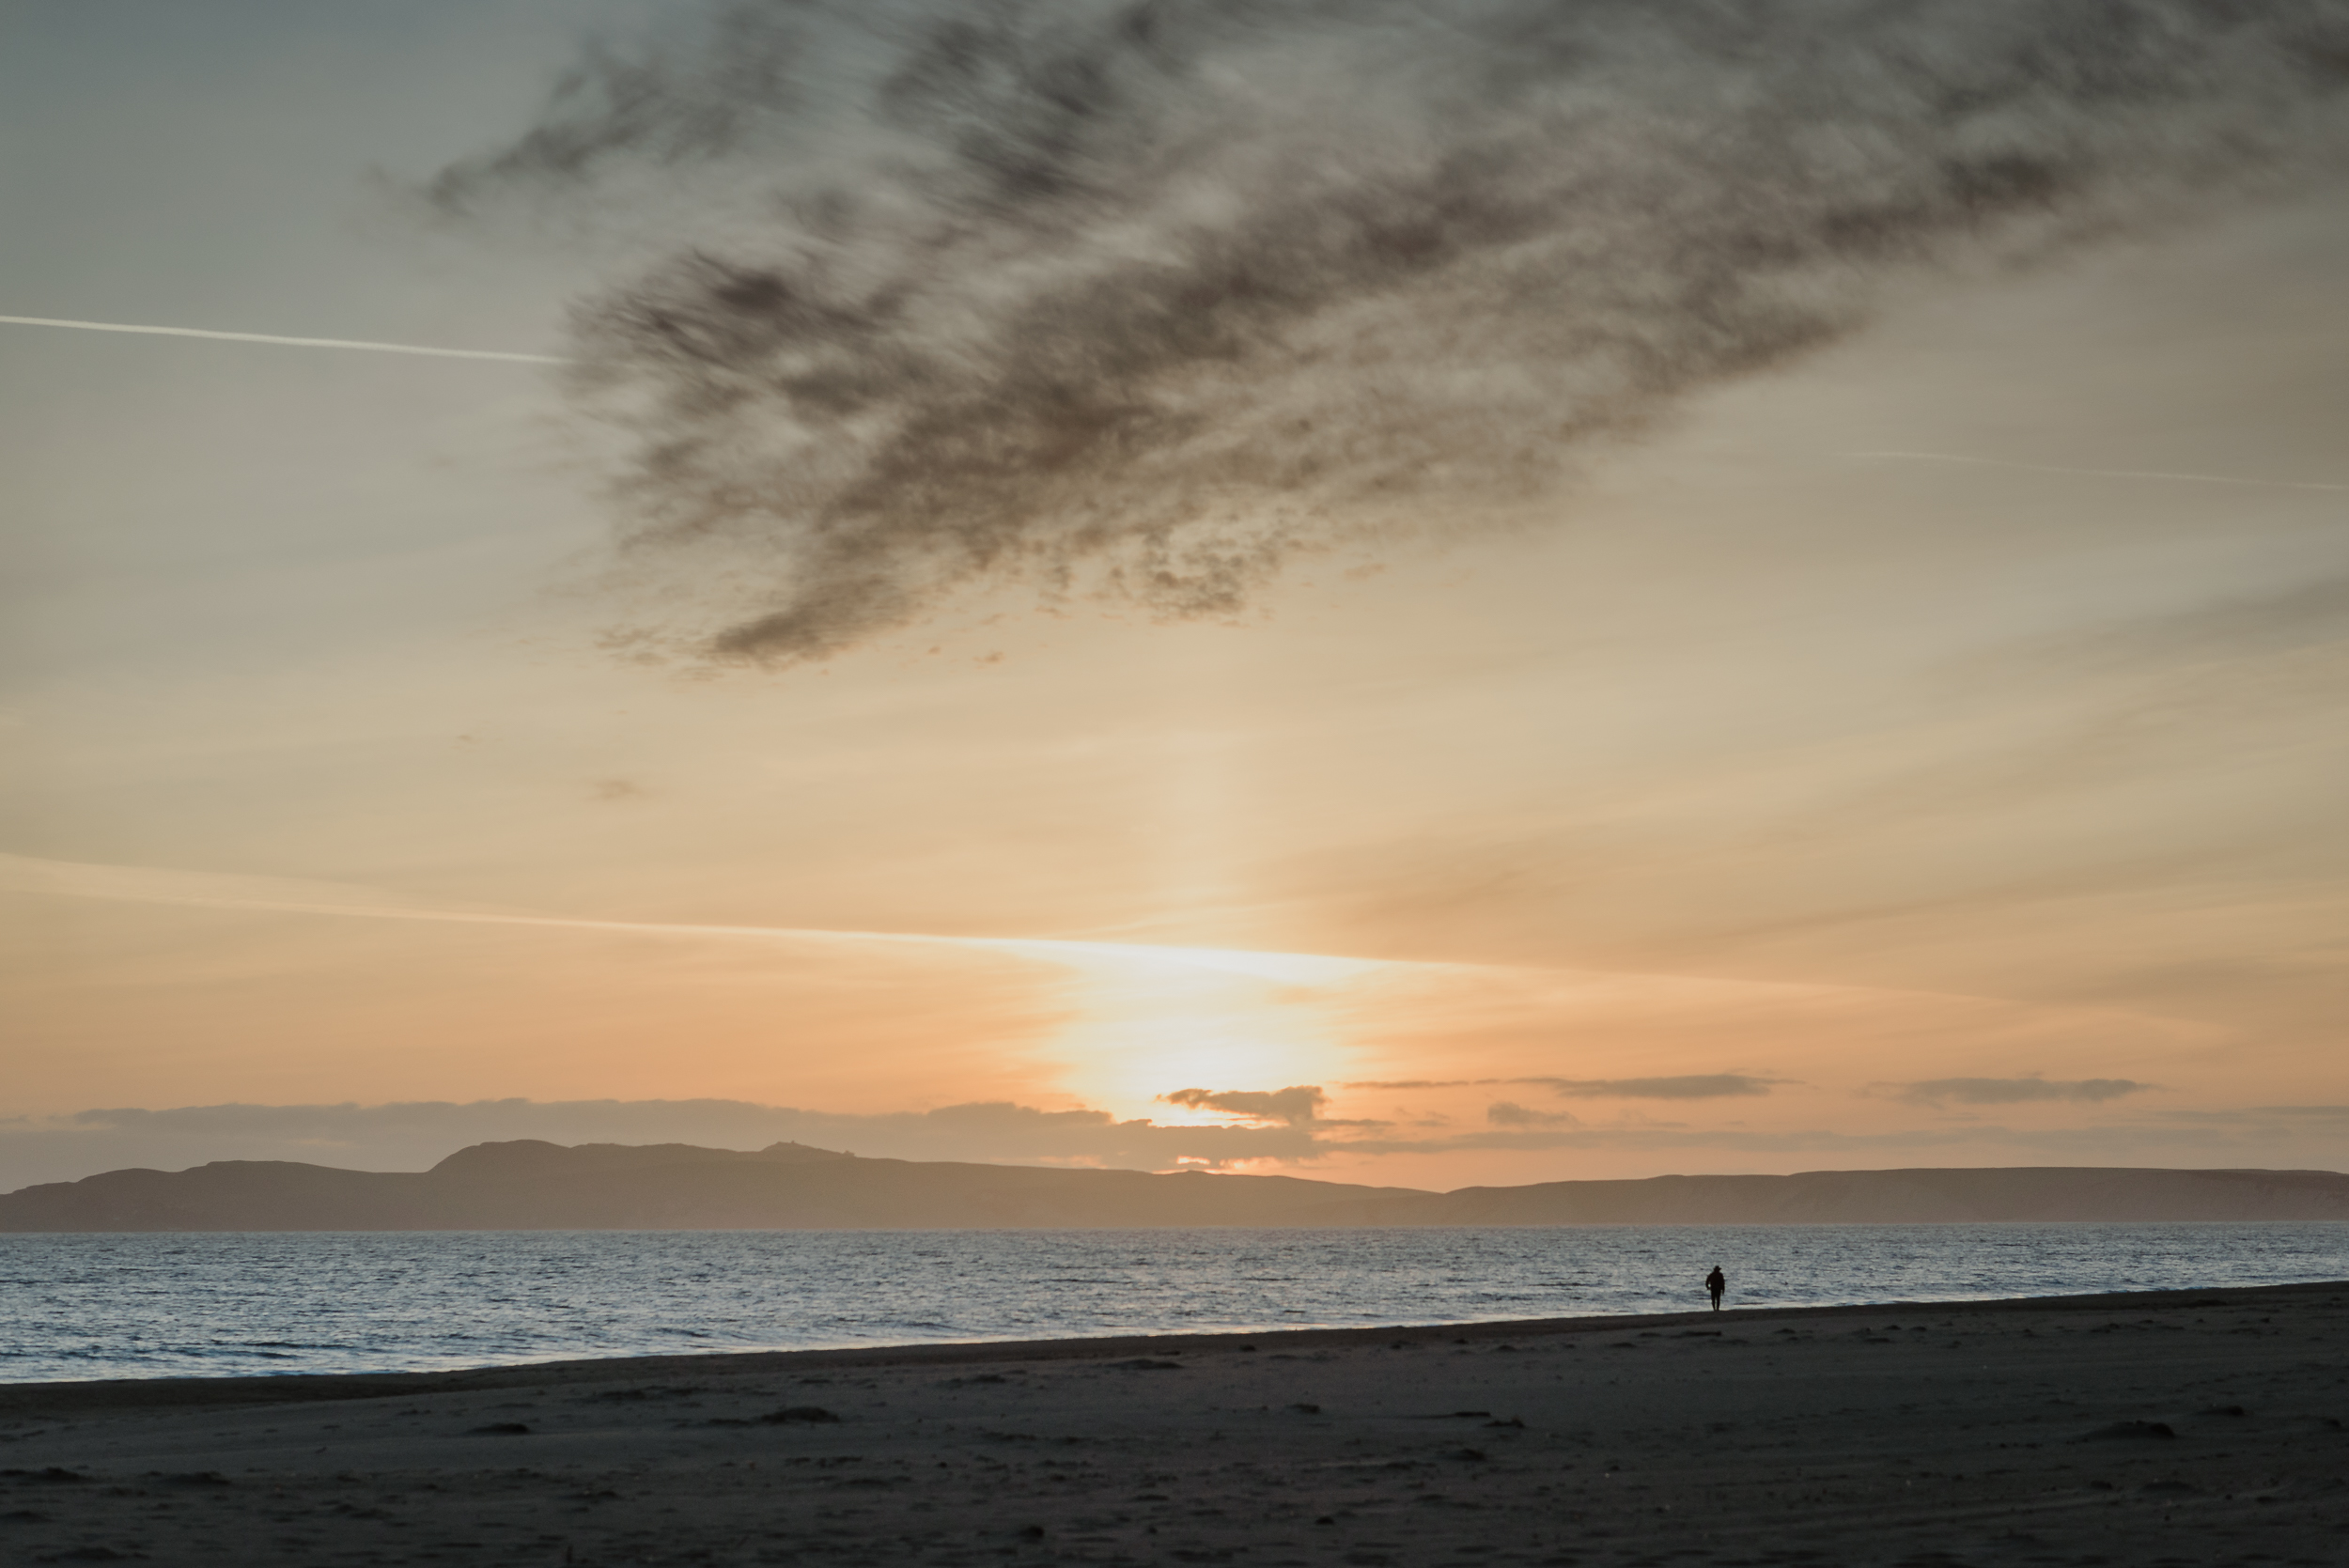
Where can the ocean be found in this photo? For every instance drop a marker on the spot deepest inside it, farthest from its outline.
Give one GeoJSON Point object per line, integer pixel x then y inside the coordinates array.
{"type": "Point", "coordinates": [210, 1305]}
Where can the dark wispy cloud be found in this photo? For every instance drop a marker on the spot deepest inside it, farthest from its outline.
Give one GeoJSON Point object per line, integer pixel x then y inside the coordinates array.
{"type": "Point", "coordinates": [2015, 1091]}
{"type": "Point", "coordinates": [1154, 297]}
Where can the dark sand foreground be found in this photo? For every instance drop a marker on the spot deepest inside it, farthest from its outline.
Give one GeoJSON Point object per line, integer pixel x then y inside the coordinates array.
{"type": "Point", "coordinates": [2196, 1427]}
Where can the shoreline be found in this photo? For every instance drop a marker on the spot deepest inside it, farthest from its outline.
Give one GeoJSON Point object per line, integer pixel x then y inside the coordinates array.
{"type": "Point", "coordinates": [165, 1390]}
{"type": "Point", "coordinates": [2190, 1429]}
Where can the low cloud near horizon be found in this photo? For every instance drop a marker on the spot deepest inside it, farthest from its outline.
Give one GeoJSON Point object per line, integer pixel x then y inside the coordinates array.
{"type": "Point", "coordinates": [1298, 1105]}
{"type": "Point", "coordinates": [1684, 1086]}
{"type": "Point", "coordinates": [2016, 1091]}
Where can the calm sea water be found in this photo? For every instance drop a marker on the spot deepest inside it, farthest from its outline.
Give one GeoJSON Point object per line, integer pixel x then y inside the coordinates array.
{"type": "Point", "coordinates": [176, 1306]}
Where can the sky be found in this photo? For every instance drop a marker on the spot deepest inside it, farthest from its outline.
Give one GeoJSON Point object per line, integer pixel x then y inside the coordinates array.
{"type": "Point", "coordinates": [1425, 595]}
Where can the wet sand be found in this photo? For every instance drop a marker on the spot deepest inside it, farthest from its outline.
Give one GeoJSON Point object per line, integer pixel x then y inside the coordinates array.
{"type": "Point", "coordinates": [2172, 1428]}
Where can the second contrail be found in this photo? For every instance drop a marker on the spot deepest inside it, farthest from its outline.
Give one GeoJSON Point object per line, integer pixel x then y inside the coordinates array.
{"type": "Point", "coordinates": [283, 342]}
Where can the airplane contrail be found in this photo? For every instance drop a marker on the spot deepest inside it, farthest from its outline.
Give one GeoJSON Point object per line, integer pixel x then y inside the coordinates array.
{"type": "Point", "coordinates": [2103, 473]}
{"type": "Point", "coordinates": [1288, 968]}
{"type": "Point", "coordinates": [283, 342]}
{"type": "Point", "coordinates": [196, 890]}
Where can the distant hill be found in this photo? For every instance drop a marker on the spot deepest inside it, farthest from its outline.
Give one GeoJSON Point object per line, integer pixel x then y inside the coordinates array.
{"type": "Point", "coordinates": [530, 1185]}
{"type": "Point", "coordinates": [2046, 1192]}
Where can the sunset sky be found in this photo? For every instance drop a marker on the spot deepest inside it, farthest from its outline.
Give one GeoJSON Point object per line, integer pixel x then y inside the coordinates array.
{"type": "Point", "coordinates": [1424, 589]}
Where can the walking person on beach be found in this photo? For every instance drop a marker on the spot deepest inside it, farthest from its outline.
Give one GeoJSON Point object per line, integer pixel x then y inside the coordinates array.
{"type": "Point", "coordinates": [1715, 1283]}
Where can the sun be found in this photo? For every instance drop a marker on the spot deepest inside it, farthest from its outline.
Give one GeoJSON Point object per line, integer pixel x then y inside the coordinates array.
{"type": "Point", "coordinates": [1155, 1020]}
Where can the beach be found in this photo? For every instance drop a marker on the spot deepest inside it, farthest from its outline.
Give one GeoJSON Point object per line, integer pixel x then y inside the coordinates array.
{"type": "Point", "coordinates": [2207, 1427]}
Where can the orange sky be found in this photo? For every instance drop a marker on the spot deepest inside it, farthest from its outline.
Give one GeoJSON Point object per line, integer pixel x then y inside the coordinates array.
{"type": "Point", "coordinates": [1746, 801]}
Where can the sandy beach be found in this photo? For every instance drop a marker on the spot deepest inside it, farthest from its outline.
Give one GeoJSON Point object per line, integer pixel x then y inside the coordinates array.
{"type": "Point", "coordinates": [2172, 1428]}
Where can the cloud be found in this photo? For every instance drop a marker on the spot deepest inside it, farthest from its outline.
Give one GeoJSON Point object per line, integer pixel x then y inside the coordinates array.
{"type": "Point", "coordinates": [2016, 1091]}
{"type": "Point", "coordinates": [413, 1136]}
{"type": "Point", "coordinates": [1507, 1113]}
{"type": "Point", "coordinates": [2275, 1118]}
{"type": "Point", "coordinates": [1687, 1086]}
{"type": "Point", "coordinates": [2136, 1144]}
{"type": "Point", "coordinates": [1151, 300]}
{"type": "Point", "coordinates": [1536, 1139]}
{"type": "Point", "coordinates": [1296, 1105]}
{"type": "Point", "coordinates": [1692, 1086]}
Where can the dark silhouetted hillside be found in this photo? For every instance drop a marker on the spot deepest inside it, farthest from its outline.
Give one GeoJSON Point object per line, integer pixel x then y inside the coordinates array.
{"type": "Point", "coordinates": [1912, 1197]}
{"type": "Point", "coordinates": [530, 1185]}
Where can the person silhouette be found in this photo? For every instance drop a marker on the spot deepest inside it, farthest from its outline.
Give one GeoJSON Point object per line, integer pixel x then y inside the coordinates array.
{"type": "Point", "coordinates": [1715, 1283]}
